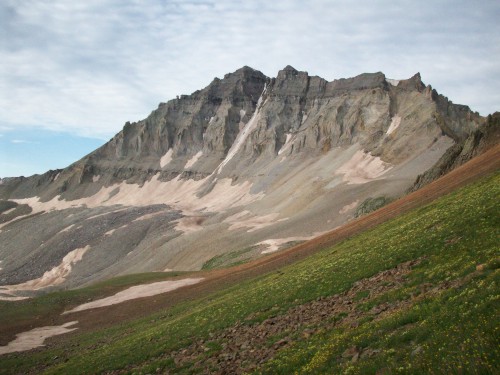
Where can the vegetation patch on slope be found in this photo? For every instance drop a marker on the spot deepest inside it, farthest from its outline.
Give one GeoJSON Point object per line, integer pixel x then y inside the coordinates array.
{"type": "Point", "coordinates": [232, 258]}
{"type": "Point", "coordinates": [370, 205]}
{"type": "Point", "coordinates": [418, 294]}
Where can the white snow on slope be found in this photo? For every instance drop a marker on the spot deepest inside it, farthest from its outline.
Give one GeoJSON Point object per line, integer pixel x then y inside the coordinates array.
{"type": "Point", "coordinates": [393, 82]}
{"type": "Point", "coordinates": [179, 193]}
{"type": "Point", "coordinates": [362, 168]}
{"type": "Point", "coordinates": [9, 211]}
{"type": "Point", "coordinates": [35, 338]}
{"type": "Point", "coordinates": [246, 220]}
{"type": "Point", "coordinates": [55, 276]}
{"type": "Point", "coordinates": [349, 207]}
{"type": "Point", "coordinates": [167, 158]}
{"type": "Point", "coordinates": [193, 160]}
{"type": "Point", "coordinates": [274, 244]}
{"type": "Point", "coordinates": [304, 117]}
{"type": "Point", "coordinates": [138, 291]}
{"type": "Point", "coordinates": [396, 121]}
{"type": "Point", "coordinates": [67, 229]}
{"type": "Point", "coordinates": [287, 144]}
{"type": "Point", "coordinates": [189, 224]}
{"type": "Point", "coordinates": [14, 219]}
{"type": "Point", "coordinates": [243, 135]}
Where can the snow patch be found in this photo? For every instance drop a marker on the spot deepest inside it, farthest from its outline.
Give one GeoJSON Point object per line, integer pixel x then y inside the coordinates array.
{"type": "Point", "coordinates": [396, 121]}
{"type": "Point", "coordinates": [304, 117]}
{"type": "Point", "coordinates": [96, 178]}
{"type": "Point", "coordinates": [393, 82]}
{"type": "Point", "coordinates": [242, 114]}
{"type": "Point", "coordinates": [274, 244]}
{"type": "Point", "coordinates": [348, 207]}
{"type": "Point", "coordinates": [110, 232]}
{"type": "Point", "coordinates": [189, 224]}
{"type": "Point", "coordinates": [9, 211]}
{"type": "Point", "coordinates": [287, 144]}
{"type": "Point", "coordinates": [167, 158]}
{"type": "Point", "coordinates": [179, 193]}
{"type": "Point", "coordinates": [103, 214]}
{"type": "Point", "coordinates": [17, 218]}
{"type": "Point", "coordinates": [147, 216]}
{"type": "Point", "coordinates": [55, 276]}
{"type": "Point", "coordinates": [239, 221]}
{"type": "Point", "coordinates": [35, 338]}
{"type": "Point", "coordinates": [193, 160]}
{"type": "Point", "coordinates": [138, 291]}
{"type": "Point", "coordinates": [10, 297]}
{"type": "Point", "coordinates": [67, 229]}
{"type": "Point", "coordinates": [243, 134]}
{"type": "Point", "coordinates": [362, 168]}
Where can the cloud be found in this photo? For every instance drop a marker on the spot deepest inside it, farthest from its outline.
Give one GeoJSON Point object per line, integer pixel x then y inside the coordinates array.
{"type": "Point", "coordinates": [20, 141]}
{"type": "Point", "coordinates": [88, 67]}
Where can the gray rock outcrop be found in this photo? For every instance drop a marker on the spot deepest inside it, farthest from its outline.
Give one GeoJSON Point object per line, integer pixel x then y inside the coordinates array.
{"type": "Point", "coordinates": [248, 162]}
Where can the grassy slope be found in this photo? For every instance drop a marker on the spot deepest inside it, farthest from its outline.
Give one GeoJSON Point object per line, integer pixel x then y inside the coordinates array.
{"type": "Point", "coordinates": [451, 329]}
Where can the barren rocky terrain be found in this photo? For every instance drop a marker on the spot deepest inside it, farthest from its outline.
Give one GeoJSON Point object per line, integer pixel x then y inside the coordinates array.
{"type": "Point", "coordinates": [352, 297]}
{"type": "Point", "coordinates": [247, 166]}
{"type": "Point", "coordinates": [213, 280]}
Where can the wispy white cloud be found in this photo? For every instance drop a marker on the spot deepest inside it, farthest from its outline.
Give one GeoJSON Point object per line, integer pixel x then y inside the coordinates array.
{"type": "Point", "coordinates": [87, 67]}
{"type": "Point", "coordinates": [20, 141]}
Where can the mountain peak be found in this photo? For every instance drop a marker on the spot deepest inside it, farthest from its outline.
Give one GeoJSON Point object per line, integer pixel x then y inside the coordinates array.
{"type": "Point", "coordinates": [413, 83]}
{"type": "Point", "coordinates": [230, 162]}
{"type": "Point", "coordinates": [245, 71]}
{"type": "Point", "coordinates": [289, 71]}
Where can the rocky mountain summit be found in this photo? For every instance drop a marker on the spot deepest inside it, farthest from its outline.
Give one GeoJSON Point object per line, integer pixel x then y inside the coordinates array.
{"type": "Point", "coordinates": [245, 166]}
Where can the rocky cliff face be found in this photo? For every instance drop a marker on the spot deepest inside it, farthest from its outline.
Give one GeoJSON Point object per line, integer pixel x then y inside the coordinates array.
{"type": "Point", "coordinates": [477, 142]}
{"type": "Point", "coordinates": [192, 135]}
{"type": "Point", "coordinates": [249, 162]}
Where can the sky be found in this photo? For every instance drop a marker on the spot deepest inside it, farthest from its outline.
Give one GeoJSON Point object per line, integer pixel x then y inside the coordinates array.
{"type": "Point", "coordinates": [73, 72]}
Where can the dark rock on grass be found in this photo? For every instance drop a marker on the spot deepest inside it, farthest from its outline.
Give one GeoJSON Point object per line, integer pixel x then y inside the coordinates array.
{"type": "Point", "coordinates": [246, 347]}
